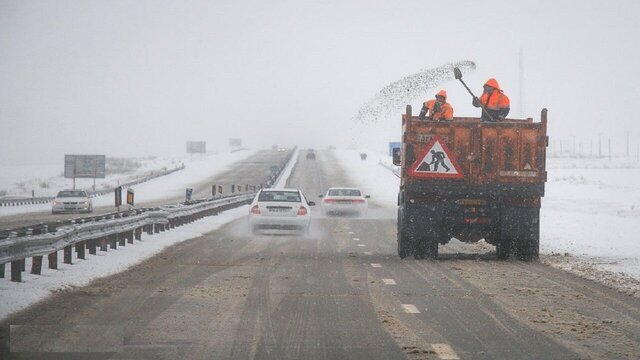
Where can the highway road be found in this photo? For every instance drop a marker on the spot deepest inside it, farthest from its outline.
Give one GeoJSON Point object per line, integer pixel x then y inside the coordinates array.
{"type": "Point", "coordinates": [339, 293]}
{"type": "Point", "coordinates": [257, 167]}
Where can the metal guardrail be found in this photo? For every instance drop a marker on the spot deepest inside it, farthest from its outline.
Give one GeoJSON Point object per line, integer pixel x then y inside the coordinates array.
{"type": "Point", "coordinates": [48, 199]}
{"type": "Point", "coordinates": [105, 231]}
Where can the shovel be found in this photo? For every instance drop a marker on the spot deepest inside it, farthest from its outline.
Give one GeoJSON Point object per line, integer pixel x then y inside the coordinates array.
{"type": "Point", "coordinates": [458, 75]}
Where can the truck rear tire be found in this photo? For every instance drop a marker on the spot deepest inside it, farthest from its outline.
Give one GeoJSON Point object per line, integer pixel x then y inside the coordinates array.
{"type": "Point", "coordinates": [519, 234]}
{"type": "Point", "coordinates": [426, 248]}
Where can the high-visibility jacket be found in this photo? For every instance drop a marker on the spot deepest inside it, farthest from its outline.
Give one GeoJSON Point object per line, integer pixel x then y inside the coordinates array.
{"type": "Point", "coordinates": [497, 104]}
{"type": "Point", "coordinates": [445, 113]}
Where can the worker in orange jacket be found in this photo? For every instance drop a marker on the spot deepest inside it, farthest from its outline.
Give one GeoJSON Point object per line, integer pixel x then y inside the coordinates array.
{"type": "Point", "coordinates": [438, 109]}
{"type": "Point", "coordinates": [494, 101]}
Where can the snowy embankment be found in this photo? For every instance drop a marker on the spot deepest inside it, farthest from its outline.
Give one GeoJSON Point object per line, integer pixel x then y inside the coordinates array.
{"type": "Point", "coordinates": [17, 296]}
{"type": "Point", "coordinates": [589, 218]}
{"type": "Point", "coordinates": [164, 187]}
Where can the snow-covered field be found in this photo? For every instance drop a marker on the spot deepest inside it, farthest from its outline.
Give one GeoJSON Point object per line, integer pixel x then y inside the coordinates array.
{"type": "Point", "coordinates": [589, 218]}
{"type": "Point", "coordinates": [169, 186]}
{"type": "Point", "coordinates": [48, 179]}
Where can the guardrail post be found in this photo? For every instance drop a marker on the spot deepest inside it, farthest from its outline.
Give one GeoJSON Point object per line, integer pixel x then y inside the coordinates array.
{"type": "Point", "coordinates": [53, 260]}
{"type": "Point", "coordinates": [16, 270]}
{"type": "Point", "coordinates": [104, 244]}
{"type": "Point", "coordinates": [129, 235]}
{"type": "Point", "coordinates": [36, 265]}
{"type": "Point", "coordinates": [138, 233]}
{"type": "Point", "coordinates": [1, 271]}
{"type": "Point", "coordinates": [149, 229]}
{"type": "Point", "coordinates": [113, 241]}
{"type": "Point", "coordinates": [80, 250]}
{"type": "Point", "coordinates": [123, 239]}
{"type": "Point", "coordinates": [67, 254]}
{"type": "Point", "coordinates": [162, 227]}
{"type": "Point", "coordinates": [23, 265]}
{"type": "Point", "coordinates": [156, 228]}
{"type": "Point", "coordinates": [91, 245]}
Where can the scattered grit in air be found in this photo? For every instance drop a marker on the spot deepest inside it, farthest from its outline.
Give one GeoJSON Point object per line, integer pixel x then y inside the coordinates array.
{"type": "Point", "coordinates": [398, 94]}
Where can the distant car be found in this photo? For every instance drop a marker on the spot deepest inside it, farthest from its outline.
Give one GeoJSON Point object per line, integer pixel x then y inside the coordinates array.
{"type": "Point", "coordinates": [72, 201]}
{"type": "Point", "coordinates": [311, 155]}
{"type": "Point", "coordinates": [342, 200]}
{"type": "Point", "coordinates": [286, 210]}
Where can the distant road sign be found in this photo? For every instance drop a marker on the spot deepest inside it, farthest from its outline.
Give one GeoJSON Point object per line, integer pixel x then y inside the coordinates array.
{"type": "Point", "coordinates": [130, 197]}
{"type": "Point", "coordinates": [84, 166]}
{"type": "Point", "coordinates": [196, 147]}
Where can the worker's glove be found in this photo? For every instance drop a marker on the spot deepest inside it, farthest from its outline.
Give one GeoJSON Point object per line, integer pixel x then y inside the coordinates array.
{"type": "Point", "coordinates": [437, 107]}
{"type": "Point", "coordinates": [500, 117]}
{"type": "Point", "coordinates": [476, 102]}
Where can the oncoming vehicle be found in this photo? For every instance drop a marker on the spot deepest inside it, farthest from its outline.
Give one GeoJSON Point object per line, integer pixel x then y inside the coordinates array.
{"type": "Point", "coordinates": [280, 210]}
{"type": "Point", "coordinates": [72, 201]}
{"type": "Point", "coordinates": [311, 155]}
{"type": "Point", "coordinates": [344, 201]}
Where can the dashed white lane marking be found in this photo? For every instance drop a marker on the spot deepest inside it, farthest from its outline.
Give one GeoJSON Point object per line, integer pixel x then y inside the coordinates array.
{"type": "Point", "coordinates": [410, 308]}
{"type": "Point", "coordinates": [376, 265]}
{"type": "Point", "coordinates": [351, 233]}
{"type": "Point", "coordinates": [356, 239]}
{"type": "Point", "coordinates": [445, 352]}
{"type": "Point", "coordinates": [389, 282]}
{"type": "Point", "coordinates": [368, 253]}
{"type": "Point", "coordinates": [362, 245]}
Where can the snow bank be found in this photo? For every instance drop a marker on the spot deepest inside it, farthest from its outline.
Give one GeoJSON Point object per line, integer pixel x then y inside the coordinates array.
{"type": "Point", "coordinates": [17, 296]}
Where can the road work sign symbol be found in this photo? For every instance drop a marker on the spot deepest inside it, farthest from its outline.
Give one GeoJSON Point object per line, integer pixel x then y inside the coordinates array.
{"type": "Point", "coordinates": [436, 161]}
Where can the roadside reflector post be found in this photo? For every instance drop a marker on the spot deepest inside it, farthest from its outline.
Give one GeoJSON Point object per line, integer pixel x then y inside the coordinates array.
{"type": "Point", "coordinates": [113, 241]}
{"type": "Point", "coordinates": [67, 254]}
{"type": "Point", "coordinates": [118, 199]}
{"type": "Point", "coordinates": [80, 250]}
{"type": "Point", "coordinates": [233, 188]}
{"type": "Point", "coordinates": [220, 189]}
{"type": "Point", "coordinates": [16, 270]}
{"type": "Point", "coordinates": [214, 191]}
{"type": "Point", "coordinates": [36, 265]}
{"type": "Point", "coordinates": [53, 260]}
{"type": "Point", "coordinates": [130, 197]}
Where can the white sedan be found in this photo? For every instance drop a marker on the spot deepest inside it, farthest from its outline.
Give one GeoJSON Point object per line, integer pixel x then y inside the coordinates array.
{"type": "Point", "coordinates": [286, 210]}
{"type": "Point", "coordinates": [344, 201]}
{"type": "Point", "coordinates": [72, 201]}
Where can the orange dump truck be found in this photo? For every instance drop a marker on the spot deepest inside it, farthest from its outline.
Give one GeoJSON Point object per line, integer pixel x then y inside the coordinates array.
{"type": "Point", "coordinates": [471, 180]}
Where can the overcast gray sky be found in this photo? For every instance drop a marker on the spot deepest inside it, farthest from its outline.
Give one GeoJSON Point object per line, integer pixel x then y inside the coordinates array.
{"type": "Point", "coordinates": [142, 77]}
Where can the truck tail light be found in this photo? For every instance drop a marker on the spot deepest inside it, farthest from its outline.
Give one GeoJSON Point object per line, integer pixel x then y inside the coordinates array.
{"type": "Point", "coordinates": [302, 211]}
{"type": "Point", "coordinates": [255, 210]}
{"type": "Point", "coordinates": [357, 201]}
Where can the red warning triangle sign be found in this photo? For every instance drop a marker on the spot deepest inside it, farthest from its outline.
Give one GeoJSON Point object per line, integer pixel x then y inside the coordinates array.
{"type": "Point", "coordinates": [436, 161]}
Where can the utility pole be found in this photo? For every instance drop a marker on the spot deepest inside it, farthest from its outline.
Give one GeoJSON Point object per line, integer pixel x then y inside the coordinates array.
{"type": "Point", "coordinates": [627, 142]}
{"type": "Point", "coordinates": [599, 145]}
{"type": "Point", "coordinates": [521, 82]}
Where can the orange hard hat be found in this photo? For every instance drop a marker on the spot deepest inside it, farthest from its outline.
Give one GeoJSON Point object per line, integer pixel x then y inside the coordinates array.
{"type": "Point", "coordinates": [442, 93]}
{"type": "Point", "coordinates": [493, 83]}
